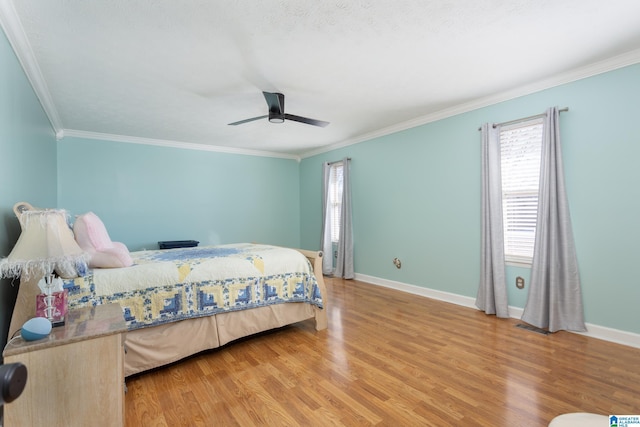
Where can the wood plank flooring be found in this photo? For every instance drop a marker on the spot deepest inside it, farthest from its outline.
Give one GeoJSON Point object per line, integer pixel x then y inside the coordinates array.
{"type": "Point", "coordinates": [391, 359]}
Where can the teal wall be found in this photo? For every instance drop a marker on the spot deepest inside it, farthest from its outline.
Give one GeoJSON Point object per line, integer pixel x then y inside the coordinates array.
{"type": "Point", "coordinates": [416, 196]}
{"type": "Point", "coordinates": [146, 193]}
{"type": "Point", "coordinates": [28, 156]}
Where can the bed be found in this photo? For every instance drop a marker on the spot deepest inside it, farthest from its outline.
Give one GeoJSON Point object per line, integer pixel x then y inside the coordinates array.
{"type": "Point", "coordinates": [179, 302]}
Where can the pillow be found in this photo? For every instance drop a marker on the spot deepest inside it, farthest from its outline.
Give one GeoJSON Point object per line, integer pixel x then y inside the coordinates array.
{"type": "Point", "coordinates": [93, 238]}
{"type": "Point", "coordinates": [116, 256]}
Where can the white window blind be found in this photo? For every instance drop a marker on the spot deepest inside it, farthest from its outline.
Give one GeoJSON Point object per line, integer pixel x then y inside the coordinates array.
{"type": "Point", "coordinates": [335, 198]}
{"type": "Point", "coordinates": [520, 151]}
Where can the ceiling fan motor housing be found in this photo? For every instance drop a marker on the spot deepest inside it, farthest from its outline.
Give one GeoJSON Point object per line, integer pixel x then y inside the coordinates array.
{"type": "Point", "coordinates": [276, 111]}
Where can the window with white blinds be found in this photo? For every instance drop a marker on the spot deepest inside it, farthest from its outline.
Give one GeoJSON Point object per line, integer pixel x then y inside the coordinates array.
{"type": "Point", "coordinates": [520, 151]}
{"type": "Point", "coordinates": [335, 198]}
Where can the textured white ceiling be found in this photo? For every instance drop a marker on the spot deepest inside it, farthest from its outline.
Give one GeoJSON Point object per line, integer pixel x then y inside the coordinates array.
{"type": "Point", "coordinates": [179, 71]}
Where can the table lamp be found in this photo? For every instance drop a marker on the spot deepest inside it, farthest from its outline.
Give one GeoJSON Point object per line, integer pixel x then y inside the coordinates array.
{"type": "Point", "coordinates": [45, 247]}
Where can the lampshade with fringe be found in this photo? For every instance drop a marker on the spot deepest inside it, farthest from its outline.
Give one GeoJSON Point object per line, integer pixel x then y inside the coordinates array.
{"type": "Point", "coordinates": [45, 246]}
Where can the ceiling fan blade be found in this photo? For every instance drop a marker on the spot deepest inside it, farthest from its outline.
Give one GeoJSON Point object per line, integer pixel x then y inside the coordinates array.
{"type": "Point", "coordinates": [275, 101]}
{"type": "Point", "coordinates": [306, 120]}
{"type": "Point", "coordinates": [247, 120]}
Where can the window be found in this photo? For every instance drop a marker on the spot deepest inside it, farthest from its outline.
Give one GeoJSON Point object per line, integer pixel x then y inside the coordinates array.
{"type": "Point", "coordinates": [520, 152]}
{"type": "Point", "coordinates": [335, 198]}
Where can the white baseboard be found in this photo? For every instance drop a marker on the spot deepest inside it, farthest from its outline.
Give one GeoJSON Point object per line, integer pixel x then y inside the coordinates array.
{"type": "Point", "coordinates": [595, 331]}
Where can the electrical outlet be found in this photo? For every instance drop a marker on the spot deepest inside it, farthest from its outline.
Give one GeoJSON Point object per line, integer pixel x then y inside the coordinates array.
{"type": "Point", "coordinates": [520, 282]}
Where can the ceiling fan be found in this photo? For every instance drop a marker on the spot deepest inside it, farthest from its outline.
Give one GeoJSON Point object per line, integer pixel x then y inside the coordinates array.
{"type": "Point", "coordinates": [275, 101]}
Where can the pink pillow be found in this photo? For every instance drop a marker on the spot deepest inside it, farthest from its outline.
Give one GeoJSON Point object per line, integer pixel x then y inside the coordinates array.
{"type": "Point", "coordinates": [91, 233]}
{"type": "Point", "coordinates": [93, 238]}
{"type": "Point", "coordinates": [116, 256]}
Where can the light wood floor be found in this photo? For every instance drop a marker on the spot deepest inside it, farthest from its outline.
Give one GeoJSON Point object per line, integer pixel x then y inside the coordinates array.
{"type": "Point", "coordinates": [392, 359]}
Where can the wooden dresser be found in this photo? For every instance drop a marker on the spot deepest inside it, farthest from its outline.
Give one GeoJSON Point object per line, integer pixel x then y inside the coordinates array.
{"type": "Point", "coordinates": [75, 376]}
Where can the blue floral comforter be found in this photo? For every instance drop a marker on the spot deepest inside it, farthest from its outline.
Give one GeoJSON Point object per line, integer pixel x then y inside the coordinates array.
{"type": "Point", "coordinates": [174, 284]}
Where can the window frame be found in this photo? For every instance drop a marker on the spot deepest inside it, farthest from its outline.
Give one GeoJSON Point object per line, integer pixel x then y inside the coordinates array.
{"type": "Point", "coordinates": [336, 188]}
{"type": "Point", "coordinates": [525, 139]}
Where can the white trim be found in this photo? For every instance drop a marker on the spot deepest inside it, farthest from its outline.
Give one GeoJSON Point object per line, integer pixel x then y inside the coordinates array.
{"type": "Point", "coordinates": [517, 264]}
{"type": "Point", "coordinates": [12, 27]}
{"type": "Point", "coordinates": [419, 290]}
{"type": "Point", "coordinates": [172, 144]}
{"type": "Point", "coordinates": [594, 331]}
{"type": "Point", "coordinates": [613, 335]}
{"type": "Point", "coordinates": [619, 61]}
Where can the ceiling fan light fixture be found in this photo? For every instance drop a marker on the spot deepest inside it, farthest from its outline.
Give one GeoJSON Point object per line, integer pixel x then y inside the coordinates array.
{"type": "Point", "coordinates": [276, 119]}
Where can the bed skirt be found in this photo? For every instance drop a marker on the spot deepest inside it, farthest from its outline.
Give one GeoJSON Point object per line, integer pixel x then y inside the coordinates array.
{"type": "Point", "coordinates": [148, 348]}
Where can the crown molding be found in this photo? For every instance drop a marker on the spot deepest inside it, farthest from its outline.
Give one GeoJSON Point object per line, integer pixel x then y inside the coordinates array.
{"type": "Point", "coordinates": [14, 31]}
{"type": "Point", "coordinates": [71, 133]}
{"type": "Point", "coordinates": [610, 64]}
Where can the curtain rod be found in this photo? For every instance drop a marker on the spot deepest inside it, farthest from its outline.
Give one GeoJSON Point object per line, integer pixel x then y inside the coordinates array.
{"type": "Point", "coordinates": [338, 161]}
{"type": "Point", "coordinates": [510, 122]}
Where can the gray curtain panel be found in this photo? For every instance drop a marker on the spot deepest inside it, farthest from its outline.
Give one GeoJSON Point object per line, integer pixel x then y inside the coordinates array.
{"type": "Point", "coordinates": [492, 292]}
{"type": "Point", "coordinates": [344, 263]}
{"type": "Point", "coordinates": [555, 295]}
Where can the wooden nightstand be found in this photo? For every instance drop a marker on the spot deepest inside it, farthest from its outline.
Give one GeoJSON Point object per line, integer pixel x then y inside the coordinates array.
{"type": "Point", "coordinates": [75, 376]}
